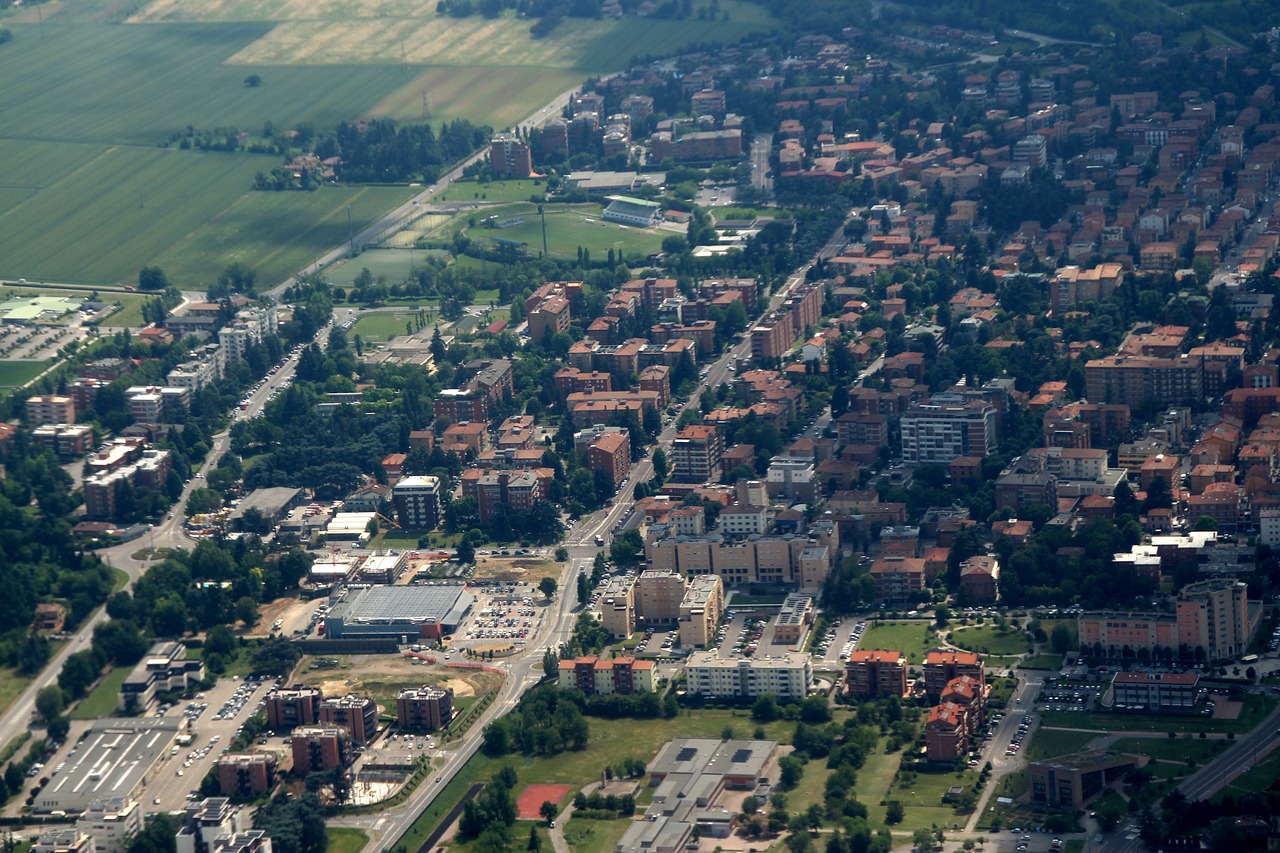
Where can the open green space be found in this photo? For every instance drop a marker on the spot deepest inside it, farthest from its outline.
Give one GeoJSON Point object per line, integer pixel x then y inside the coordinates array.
{"type": "Point", "coordinates": [492, 191]}
{"type": "Point", "coordinates": [909, 637]}
{"type": "Point", "coordinates": [1171, 749]}
{"type": "Point", "coordinates": [1260, 777]}
{"type": "Point", "coordinates": [594, 836]}
{"type": "Point", "coordinates": [569, 227]}
{"type": "Point", "coordinates": [15, 373]}
{"type": "Point", "coordinates": [11, 686]}
{"type": "Point", "coordinates": [394, 264]}
{"type": "Point", "coordinates": [1050, 743]}
{"type": "Point", "coordinates": [922, 800]}
{"type": "Point", "coordinates": [383, 326]}
{"type": "Point", "coordinates": [103, 700]}
{"type": "Point", "coordinates": [990, 639]}
{"type": "Point", "coordinates": [1049, 662]}
{"type": "Point", "coordinates": [1255, 708]}
{"type": "Point", "coordinates": [342, 840]}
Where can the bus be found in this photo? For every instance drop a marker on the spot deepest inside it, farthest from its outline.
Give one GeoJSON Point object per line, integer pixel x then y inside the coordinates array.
{"type": "Point", "coordinates": [1249, 659]}
{"type": "Point", "coordinates": [599, 541]}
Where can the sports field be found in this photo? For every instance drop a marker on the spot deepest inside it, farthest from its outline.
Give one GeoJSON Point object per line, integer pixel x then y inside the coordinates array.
{"type": "Point", "coordinates": [382, 326]}
{"type": "Point", "coordinates": [15, 373]}
{"type": "Point", "coordinates": [568, 227]}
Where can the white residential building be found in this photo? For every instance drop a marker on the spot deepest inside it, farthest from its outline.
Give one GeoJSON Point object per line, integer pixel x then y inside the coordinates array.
{"type": "Point", "coordinates": [111, 822]}
{"type": "Point", "coordinates": [788, 676]}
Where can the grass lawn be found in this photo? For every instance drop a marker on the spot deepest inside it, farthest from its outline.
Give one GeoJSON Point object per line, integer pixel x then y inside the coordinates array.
{"type": "Point", "coordinates": [1072, 626]}
{"type": "Point", "coordinates": [1050, 743]}
{"type": "Point", "coordinates": [923, 799]}
{"type": "Point", "coordinates": [129, 315]}
{"type": "Point", "coordinates": [11, 686]}
{"type": "Point", "coordinates": [382, 326]}
{"type": "Point", "coordinates": [594, 836]}
{"type": "Point", "coordinates": [492, 191]}
{"type": "Point", "coordinates": [874, 780]}
{"type": "Point", "coordinates": [1260, 777]}
{"type": "Point", "coordinates": [989, 639]}
{"type": "Point", "coordinates": [15, 373]}
{"type": "Point", "coordinates": [103, 700]}
{"type": "Point", "coordinates": [1171, 749]}
{"type": "Point", "coordinates": [1255, 708]}
{"type": "Point", "coordinates": [395, 264]}
{"type": "Point", "coordinates": [345, 840]}
{"type": "Point", "coordinates": [1049, 662]}
{"type": "Point", "coordinates": [908, 637]}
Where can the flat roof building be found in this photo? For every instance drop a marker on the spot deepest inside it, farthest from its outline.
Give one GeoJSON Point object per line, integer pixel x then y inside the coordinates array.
{"type": "Point", "coordinates": [380, 611]}
{"type": "Point", "coordinates": [356, 713]}
{"type": "Point", "coordinates": [425, 708]}
{"type": "Point", "coordinates": [114, 759]}
{"type": "Point", "coordinates": [165, 668]}
{"type": "Point", "coordinates": [786, 676]}
{"type": "Point", "coordinates": [111, 822]}
{"type": "Point", "coordinates": [297, 706]}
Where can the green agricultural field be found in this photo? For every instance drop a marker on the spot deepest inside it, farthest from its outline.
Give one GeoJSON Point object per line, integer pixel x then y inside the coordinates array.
{"type": "Point", "coordinates": [104, 699]}
{"type": "Point", "coordinates": [908, 637]}
{"type": "Point", "coordinates": [989, 639]}
{"type": "Point", "coordinates": [276, 233]}
{"type": "Point", "coordinates": [382, 326]}
{"type": "Point", "coordinates": [568, 228]}
{"type": "Point", "coordinates": [15, 373]}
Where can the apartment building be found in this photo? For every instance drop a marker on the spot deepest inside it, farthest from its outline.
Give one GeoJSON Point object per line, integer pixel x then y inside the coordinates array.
{"type": "Point", "coordinates": [873, 673]}
{"type": "Point", "coordinates": [417, 501]}
{"type": "Point", "coordinates": [245, 774]}
{"type": "Point", "coordinates": [356, 713]}
{"type": "Point", "coordinates": [937, 433]}
{"type": "Point", "coordinates": [317, 749]}
{"type": "Point", "coordinates": [597, 676]}
{"type": "Point", "coordinates": [164, 669]}
{"type": "Point", "coordinates": [1138, 380]}
{"type": "Point", "coordinates": [1214, 615]}
{"type": "Point", "coordinates": [297, 706]}
{"type": "Point", "coordinates": [941, 667]}
{"type": "Point", "coordinates": [787, 560]}
{"type": "Point", "coordinates": [50, 409]}
{"type": "Point", "coordinates": [509, 157]}
{"type": "Point", "coordinates": [658, 596]}
{"type": "Point", "coordinates": [898, 579]}
{"type": "Point", "coordinates": [695, 454]}
{"type": "Point", "coordinates": [617, 607]}
{"type": "Point", "coordinates": [793, 619]}
{"type": "Point", "coordinates": [207, 820]}
{"type": "Point", "coordinates": [426, 708]}
{"type": "Point", "coordinates": [610, 452]}
{"type": "Point", "coordinates": [700, 611]}
{"type": "Point", "coordinates": [249, 328]}
{"type": "Point", "coordinates": [787, 676]}
{"type": "Point", "coordinates": [514, 491]}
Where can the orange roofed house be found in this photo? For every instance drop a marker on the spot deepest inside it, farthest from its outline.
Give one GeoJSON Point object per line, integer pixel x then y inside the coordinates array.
{"type": "Point", "coordinates": [951, 724]}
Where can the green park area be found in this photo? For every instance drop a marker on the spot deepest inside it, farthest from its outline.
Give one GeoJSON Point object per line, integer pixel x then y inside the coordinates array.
{"type": "Point", "coordinates": [989, 639]}
{"type": "Point", "coordinates": [911, 637]}
{"type": "Point", "coordinates": [491, 191]}
{"type": "Point", "coordinates": [1050, 743]}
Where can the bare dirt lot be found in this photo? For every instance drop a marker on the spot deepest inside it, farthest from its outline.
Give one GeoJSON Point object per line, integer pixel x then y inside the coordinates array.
{"type": "Point", "coordinates": [528, 570]}
{"type": "Point", "coordinates": [382, 676]}
{"type": "Point", "coordinates": [1227, 709]}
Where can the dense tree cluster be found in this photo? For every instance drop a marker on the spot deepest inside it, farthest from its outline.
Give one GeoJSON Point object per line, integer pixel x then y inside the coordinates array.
{"type": "Point", "coordinates": [383, 150]}
{"type": "Point", "coordinates": [294, 824]}
{"type": "Point", "coordinates": [546, 722]}
{"type": "Point", "coordinates": [489, 816]}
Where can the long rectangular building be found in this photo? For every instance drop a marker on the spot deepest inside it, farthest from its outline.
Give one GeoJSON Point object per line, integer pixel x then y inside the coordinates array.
{"type": "Point", "coordinates": [786, 676]}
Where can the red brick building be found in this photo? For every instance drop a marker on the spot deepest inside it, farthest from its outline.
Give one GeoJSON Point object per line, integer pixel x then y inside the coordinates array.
{"type": "Point", "coordinates": [611, 453]}
{"type": "Point", "coordinates": [876, 673]}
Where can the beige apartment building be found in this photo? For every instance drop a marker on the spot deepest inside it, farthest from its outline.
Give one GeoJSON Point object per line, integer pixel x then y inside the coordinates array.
{"type": "Point", "coordinates": [788, 560]}
{"type": "Point", "coordinates": [618, 607]}
{"type": "Point", "coordinates": [658, 596]}
{"type": "Point", "coordinates": [700, 611]}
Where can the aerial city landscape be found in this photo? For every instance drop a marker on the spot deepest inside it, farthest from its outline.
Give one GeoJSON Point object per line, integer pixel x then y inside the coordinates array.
{"type": "Point", "coordinates": [639, 426]}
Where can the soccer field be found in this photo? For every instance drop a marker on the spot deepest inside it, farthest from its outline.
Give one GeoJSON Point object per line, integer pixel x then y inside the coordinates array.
{"type": "Point", "coordinates": [568, 227]}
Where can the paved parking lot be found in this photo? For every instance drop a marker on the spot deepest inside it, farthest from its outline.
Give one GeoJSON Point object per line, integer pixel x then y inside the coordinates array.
{"type": "Point", "coordinates": [182, 772]}
{"type": "Point", "coordinates": [502, 614]}
{"type": "Point", "coordinates": [838, 642]}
